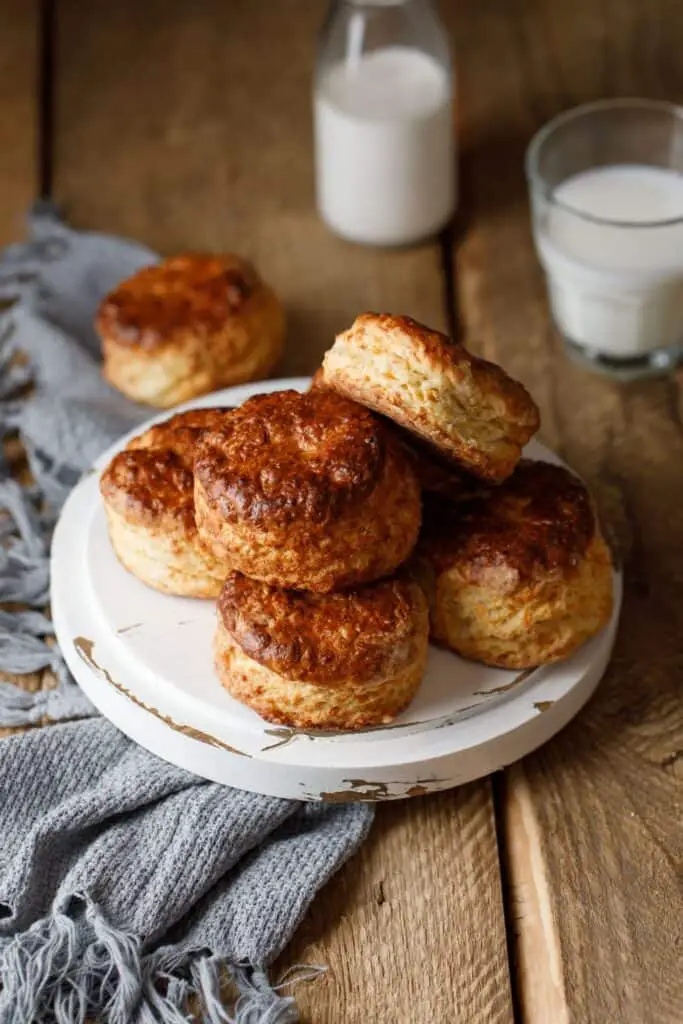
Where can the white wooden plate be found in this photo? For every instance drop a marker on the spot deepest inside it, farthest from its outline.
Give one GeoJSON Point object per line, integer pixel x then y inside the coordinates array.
{"type": "Point", "coordinates": [144, 659]}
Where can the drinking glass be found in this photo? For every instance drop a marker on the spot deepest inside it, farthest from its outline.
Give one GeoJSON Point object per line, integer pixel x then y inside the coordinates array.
{"type": "Point", "coordinates": [606, 189]}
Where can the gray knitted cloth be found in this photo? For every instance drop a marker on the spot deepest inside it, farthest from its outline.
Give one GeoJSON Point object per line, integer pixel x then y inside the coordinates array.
{"type": "Point", "coordinates": [126, 885]}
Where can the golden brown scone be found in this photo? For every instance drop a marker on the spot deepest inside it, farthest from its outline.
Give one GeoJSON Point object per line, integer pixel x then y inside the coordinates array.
{"type": "Point", "coordinates": [187, 326]}
{"type": "Point", "coordinates": [322, 661]}
{"type": "Point", "coordinates": [148, 498]}
{"type": "Point", "coordinates": [521, 576]}
{"type": "Point", "coordinates": [309, 491]}
{"type": "Point", "coordinates": [468, 408]}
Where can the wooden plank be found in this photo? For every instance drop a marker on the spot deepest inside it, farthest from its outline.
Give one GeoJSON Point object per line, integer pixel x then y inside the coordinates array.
{"type": "Point", "coordinates": [189, 126]}
{"type": "Point", "coordinates": [411, 928]}
{"type": "Point", "coordinates": [18, 114]}
{"type": "Point", "coordinates": [594, 822]}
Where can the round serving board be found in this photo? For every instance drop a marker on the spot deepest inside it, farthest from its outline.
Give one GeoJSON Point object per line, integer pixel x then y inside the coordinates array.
{"type": "Point", "coordinates": [144, 659]}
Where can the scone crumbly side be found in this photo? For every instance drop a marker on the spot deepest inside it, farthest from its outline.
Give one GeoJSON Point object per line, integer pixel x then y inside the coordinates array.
{"type": "Point", "coordinates": [540, 622]}
{"type": "Point", "coordinates": [166, 559]}
{"type": "Point", "coordinates": [521, 575]}
{"type": "Point", "coordinates": [305, 705]}
{"type": "Point", "coordinates": [464, 405]}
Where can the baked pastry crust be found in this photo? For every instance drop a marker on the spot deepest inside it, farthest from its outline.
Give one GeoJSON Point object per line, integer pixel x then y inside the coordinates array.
{"type": "Point", "coordinates": [309, 491]}
{"type": "Point", "coordinates": [187, 326]}
{"type": "Point", "coordinates": [148, 492]}
{"type": "Point", "coordinates": [521, 576]}
{"type": "Point", "coordinates": [467, 407]}
{"type": "Point", "coordinates": [322, 661]}
{"type": "Point", "coordinates": [436, 473]}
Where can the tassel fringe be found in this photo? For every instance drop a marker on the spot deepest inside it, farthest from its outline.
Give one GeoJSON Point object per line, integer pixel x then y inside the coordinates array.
{"type": "Point", "coordinates": [74, 966]}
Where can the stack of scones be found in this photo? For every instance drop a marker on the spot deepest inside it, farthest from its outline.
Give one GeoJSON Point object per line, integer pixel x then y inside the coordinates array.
{"type": "Point", "coordinates": [341, 528]}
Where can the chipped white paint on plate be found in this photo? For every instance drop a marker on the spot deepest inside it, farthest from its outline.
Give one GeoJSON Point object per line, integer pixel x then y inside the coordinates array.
{"type": "Point", "coordinates": [144, 659]}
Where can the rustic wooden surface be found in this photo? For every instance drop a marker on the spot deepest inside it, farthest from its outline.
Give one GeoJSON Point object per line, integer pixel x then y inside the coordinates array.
{"type": "Point", "coordinates": [594, 822]}
{"type": "Point", "coordinates": [188, 126]}
{"type": "Point", "coordinates": [411, 929]}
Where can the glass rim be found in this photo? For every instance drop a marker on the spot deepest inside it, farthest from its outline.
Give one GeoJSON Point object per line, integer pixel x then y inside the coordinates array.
{"type": "Point", "coordinates": [536, 182]}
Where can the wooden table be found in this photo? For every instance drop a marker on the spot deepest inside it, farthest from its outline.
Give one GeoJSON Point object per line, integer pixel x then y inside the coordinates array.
{"type": "Point", "coordinates": [552, 892]}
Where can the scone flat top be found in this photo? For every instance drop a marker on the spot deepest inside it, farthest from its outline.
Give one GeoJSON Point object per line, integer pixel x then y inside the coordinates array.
{"type": "Point", "coordinates": [153, 476]}
{"type": "Point", "coordinates": [195, 292]}
{"type": "Point", "coordinates": [540, 521]}
{"type": "Point", "coordinates": [286, 456]}
{"type": "Point", "coordinates": [360, 635]}
{"type": "Point", "coordinates": [468, 408]}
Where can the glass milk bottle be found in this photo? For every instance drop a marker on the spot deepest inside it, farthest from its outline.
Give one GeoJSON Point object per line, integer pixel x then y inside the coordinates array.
{"type": "Point", "coordinates": [384, 126]}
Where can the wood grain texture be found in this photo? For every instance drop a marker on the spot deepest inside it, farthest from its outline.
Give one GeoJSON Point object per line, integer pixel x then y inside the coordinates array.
{"type": "Point", "coordinates": [188, 126]}
{"type": "Point", "coordinates": [18, 114]}
{"type": "Point", "coordinates": [411, 928]}
{"type": "Point", "coordinates": [594, 819]}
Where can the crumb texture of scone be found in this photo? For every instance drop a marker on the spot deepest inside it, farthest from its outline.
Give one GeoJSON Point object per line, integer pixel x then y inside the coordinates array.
{"type": "Point", "coordinates": [148, 493]}
{"type": "Point", "coordinates": [189, 325]}
{"type": "Point", "coordinates": [467, 407]}
{"type": "Point", "coordinates": [520, 576]}
{"type": "Point", "coordinates": [346, 660]}
{"type": "Point", "coordinates": [309, 491]}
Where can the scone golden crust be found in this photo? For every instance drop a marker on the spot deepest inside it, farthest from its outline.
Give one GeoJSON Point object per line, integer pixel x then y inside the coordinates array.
{"type": "Point", "coordinates": [148, 492]}
{"type": "Point", "coordinates": [322, 661]}
{"type": "Point", "coordinates": [189, 325]}
{"type": "Point", "coordinates": [309, 491]}
{"type": "Point", "coordinates": [521, 576]}
{"type": "Point", "coordinates": [468, 408]}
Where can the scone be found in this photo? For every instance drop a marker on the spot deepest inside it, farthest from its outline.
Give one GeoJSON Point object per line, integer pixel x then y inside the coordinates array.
{"type": "Point", "coordinates": [322, 661]}
{"type": "Point", "coordinates": [148, 498]}
{"type": "Point", "coordinates": [467, 407]}
{"type": "Point", "coordinates": [521, 576]}
{"type": "Point", "coordinates": [309, 491]}
{"type": "Point", "coordinates": [439, 475]}
{"type": "Point", "coordinates": [187, 326]}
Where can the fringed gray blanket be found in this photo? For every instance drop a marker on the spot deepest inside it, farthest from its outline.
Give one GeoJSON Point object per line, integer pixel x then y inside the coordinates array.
{"type": "Point", "coordinates": [126, 885]}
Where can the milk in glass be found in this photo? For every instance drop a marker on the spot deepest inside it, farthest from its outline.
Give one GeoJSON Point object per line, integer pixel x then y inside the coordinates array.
{"type": "Point", "coordinates": [611, 242]}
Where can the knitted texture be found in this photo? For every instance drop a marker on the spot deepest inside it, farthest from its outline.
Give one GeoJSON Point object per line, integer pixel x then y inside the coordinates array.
{"type": "Point", "coordinates": [126, 884]}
